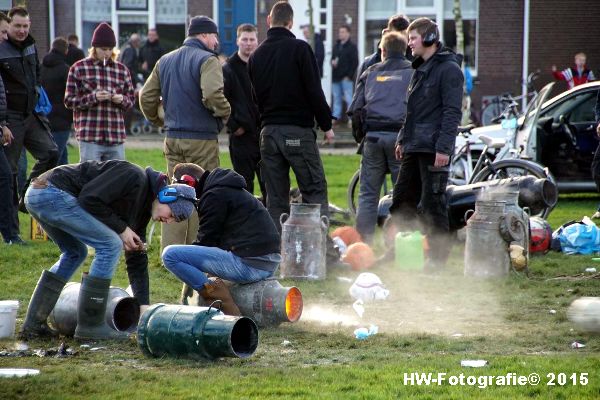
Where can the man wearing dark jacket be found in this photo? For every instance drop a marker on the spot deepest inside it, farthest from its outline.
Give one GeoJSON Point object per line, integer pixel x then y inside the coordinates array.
{"type": "Point", "coordinates": [150, 53]}
{"type": "Point", "coordinates": [74, 53]}
{"type": "Point", "coordinates": [104, 205]}
{"type": "Point", "coordinates": [53, 78]}
{"type": "Point", "coordinates": [237, 240]}
{"type": "Point", "coordinates": [20, 71]}
{"type": "Point", "coordinates": [244, 123]}
{"type": "Point", "coordinates": [379, 107]}
{"type": "Point", "coordinates": [426, 142]}
{"type": "Point", "coordinates": [344, 61]}
{"type": "Point", "coordinates": [286, 82]}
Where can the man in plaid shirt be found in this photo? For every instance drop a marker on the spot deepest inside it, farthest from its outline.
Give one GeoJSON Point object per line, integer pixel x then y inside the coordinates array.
{"type": "Point", "coordinates": [99, 91]}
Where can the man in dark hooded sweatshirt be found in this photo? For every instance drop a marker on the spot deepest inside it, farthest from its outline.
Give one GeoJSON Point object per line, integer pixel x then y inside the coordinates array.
{"type": "Point", "coordinates": [107, 206]}
{"type": "Point", "coordinates": [237, 239]}
{"type": "Point", "coordinates": [426, 141]}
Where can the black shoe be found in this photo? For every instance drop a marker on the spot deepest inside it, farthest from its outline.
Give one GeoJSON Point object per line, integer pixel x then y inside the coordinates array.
{"type": "Point", "coordinates": [17, 241]}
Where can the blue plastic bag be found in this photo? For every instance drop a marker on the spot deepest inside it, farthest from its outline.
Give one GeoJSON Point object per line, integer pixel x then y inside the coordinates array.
{"type": "Point", "coordinates": [581, 237]}
{"type": "Point", "coordinates": [43, 106]}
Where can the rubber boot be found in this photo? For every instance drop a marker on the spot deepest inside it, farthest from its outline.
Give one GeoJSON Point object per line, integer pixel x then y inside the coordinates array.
{"type": "Point", "coordinates": [215, 289]}
{"type": "Point", "coordinates": [91, 307]}
{"type": "Point", "coordinates": [42, 303]}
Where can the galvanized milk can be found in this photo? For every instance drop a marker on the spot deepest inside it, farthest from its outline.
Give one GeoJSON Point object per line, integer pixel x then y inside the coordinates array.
{"type": "Point", "coordinates": [303, 235]}
{"type": "Point", "coordinates": [497, 222]}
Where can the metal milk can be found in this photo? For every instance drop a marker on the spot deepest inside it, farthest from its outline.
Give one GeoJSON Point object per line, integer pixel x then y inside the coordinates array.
{"type": "Point", "coordinates": [303, 236]}
{"type": "Point", "coordinates": [497, 223]}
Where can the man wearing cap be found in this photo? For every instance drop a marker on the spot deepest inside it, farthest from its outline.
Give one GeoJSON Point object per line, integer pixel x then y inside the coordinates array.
{"type": "Point", "coordinates": [99, 91]}
{"type": "Point", "coordinates": [237, 239]}
{"type": "Point", "coordinates": [104, 205]}
{"type": "Point", "coordinates": [19, 69]}
{"type": "Point", "coordinates": [190, 82]}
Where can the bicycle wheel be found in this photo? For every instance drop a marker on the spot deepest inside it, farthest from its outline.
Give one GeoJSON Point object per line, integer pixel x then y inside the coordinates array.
{"type": "Point", "coordinates": [491, 111]}
{"type": "Point", "coordinates": [354, 189]}
{"type": "Point", "coordinates": [458, 171]}
{"type": "Point", "coordinates": [503, 169]}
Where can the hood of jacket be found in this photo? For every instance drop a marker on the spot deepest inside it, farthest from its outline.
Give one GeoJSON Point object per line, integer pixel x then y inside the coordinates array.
{"type": "Point", "coordinates": [224, 177]}
{"type": "Point", "coordinates": [53, 59]}
{"type": "Point", "coordinates": [441, 55]}
{"type": "Point", "coordinates": [157, 180]}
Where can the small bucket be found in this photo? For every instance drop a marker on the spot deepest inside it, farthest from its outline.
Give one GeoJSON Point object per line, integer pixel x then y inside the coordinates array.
{"type": "Point", "coordinates": [8, 318]}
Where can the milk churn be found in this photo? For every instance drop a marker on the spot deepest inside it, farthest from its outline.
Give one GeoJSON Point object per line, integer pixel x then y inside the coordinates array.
{"type": "Point", "coordinates": [497, 222]}
{"type": "Point", "coordinates": [303, 237]}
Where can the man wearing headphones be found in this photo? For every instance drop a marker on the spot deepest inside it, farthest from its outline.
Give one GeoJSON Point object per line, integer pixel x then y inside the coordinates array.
{"type": "Point", "coordinates": [426, 142]}
{"type": "Point", "coordinates": [237, 239]}
{"type": "Point", "coordinates": [104, 205]}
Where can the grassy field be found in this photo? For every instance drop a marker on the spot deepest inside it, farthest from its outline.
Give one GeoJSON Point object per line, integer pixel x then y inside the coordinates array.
{"type": "Point", "coordinates": [427, 325]}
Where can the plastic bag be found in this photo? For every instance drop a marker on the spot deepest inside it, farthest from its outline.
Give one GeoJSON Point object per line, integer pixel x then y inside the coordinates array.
{"type": "Point", "coordinates": [368, 287]}
{"type": "Point", "coordinates": [43, 106]}
{"type": "Point", "coordinates": [578, 237]}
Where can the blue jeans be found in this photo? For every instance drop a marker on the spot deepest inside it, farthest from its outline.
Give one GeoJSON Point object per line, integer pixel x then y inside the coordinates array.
{"type": "Point", "coordinates": [190, 263]}
{"type": "Point", "coordinates": [61, 138]}
{"type": "Point", "coordinates": [341, 90]}
{"type": "Point", "coordinates": [89, 151]}
{"type": "Point", "coordinates": [72, 228]}
{"type": "Point", "coordinates": [377, 160]}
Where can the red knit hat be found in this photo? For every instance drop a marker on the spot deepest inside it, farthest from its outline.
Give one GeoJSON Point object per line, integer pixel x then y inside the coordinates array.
{"type": "Point", "coordinates": [104, 36]}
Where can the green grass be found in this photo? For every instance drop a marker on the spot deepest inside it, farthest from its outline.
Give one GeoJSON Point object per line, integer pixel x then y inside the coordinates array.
{"type": "Point", "coordinates": [428, 324]}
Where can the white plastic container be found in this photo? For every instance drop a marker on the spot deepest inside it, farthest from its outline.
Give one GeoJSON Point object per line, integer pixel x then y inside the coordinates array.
{"type": "Point", "coordinates": [8, 318]}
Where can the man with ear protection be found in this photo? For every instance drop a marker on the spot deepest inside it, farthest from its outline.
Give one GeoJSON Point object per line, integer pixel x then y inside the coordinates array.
{"type": "Point", "coordinates": [426, 141]}
{"type": "Point", "coordinates": [107, 206]}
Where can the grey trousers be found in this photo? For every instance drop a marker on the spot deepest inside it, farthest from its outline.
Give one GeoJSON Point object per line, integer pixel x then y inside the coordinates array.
{"type": "Point", "coordinates": [288, 146]}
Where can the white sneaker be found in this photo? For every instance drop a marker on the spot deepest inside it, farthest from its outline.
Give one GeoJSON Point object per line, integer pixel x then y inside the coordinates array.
{"type": "Point", "coordinates": [596, 215]}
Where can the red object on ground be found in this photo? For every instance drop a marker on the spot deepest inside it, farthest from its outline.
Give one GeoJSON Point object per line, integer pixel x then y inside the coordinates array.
{"type": "Point", "coordinates": [540, 234]}
{"type": "Point", "coordinates": [348, 234]}
{"type": "Point", "coordinates": [360, 256]}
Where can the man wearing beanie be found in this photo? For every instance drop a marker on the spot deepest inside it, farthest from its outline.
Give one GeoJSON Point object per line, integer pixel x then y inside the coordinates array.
{"type": "Point", "coordinates": [104, 205]}
{"type": "Point", "coordinates": [190, 82]}
{"type": "Point", "coordinates": [236, 239]}
{"type": "Point", "coordinates": [99, 91]}
{"type": "Point", "coordinates": [19, 69]}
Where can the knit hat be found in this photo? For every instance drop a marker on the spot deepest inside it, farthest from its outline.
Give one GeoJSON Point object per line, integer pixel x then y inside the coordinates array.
{"type": "Point", "coordinates": [183, 207]}
{"type": "Point", "coordinates": [104, 36]}
{"type": "Point", "coordinates": [202, 24]}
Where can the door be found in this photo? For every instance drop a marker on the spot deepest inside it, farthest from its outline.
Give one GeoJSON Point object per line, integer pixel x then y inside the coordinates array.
{"type": "Point", "coordinates": [231, 14]}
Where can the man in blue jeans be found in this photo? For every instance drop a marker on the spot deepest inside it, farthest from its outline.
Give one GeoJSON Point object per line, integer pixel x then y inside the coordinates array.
{"type": "Point", "coordinates": [107, 206]}
{"type": "Point", "coordinates": [237, 239]}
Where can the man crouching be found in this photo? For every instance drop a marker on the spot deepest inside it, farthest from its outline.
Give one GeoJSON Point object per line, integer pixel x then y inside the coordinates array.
{"type": "Point", "coordinates": [237, 239]}
{"type": "Point", "coordinates": [104, 205]}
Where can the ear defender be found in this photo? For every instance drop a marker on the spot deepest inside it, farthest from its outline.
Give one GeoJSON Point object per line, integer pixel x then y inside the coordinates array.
{"type": "Point", "coordinates": [431, 36]}
{"type": "Point", "coordinates": [169, 195]}
{"type": "Point", "coordinates": [188, 180]}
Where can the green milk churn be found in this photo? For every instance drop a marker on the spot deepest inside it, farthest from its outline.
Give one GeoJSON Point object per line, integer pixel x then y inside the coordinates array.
{"type": "Point", "coordinates": [409, 250]}
{"type": "Point", "coordinates": [195, 332]}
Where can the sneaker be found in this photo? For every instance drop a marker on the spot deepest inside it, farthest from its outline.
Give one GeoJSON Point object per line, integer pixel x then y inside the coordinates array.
{"type": "Point", "coordinates": [596, 215]}
{"type": "Point", "coordinates": [17, 241]}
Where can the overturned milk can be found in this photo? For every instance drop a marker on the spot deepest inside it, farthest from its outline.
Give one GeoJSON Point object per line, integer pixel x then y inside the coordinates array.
{"type": "Point", "coordinates": [303, 236]}
{"type": "Point", "coordinates": [195, 332]}
{"type": "Point", "coordinates": [267, 302]}
{"type": "Point", "coordinates": [496, 223]}
{"type": "Point", "coordinates": [122, 310]}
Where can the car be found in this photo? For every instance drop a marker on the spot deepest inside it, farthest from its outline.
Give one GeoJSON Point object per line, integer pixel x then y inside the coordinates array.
{"type": "Point", "coordinates": [559, 134]}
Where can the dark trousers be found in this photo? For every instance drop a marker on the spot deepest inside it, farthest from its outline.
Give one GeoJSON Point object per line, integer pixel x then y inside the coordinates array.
{"type": "Point", "coordinates": [6, 198]}
{"type": "Point", "coordinates": [596, 169]}
{"type": "Point", "coordinates": [245, 156]}
{"type": "Point", "coordinates": [285, 146]}
{"type": "Point", "coordinates": [419, 201]}
{"type": "Point", "coordinates": [31, 132]}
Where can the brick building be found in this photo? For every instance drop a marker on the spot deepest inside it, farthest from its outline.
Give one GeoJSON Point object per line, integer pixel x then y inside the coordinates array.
{"type": "Point", "coordinates": [494, 29]}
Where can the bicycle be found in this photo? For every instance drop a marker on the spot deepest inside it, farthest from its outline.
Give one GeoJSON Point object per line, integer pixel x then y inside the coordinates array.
{"type": "Point", "coordinates": [496, 106]}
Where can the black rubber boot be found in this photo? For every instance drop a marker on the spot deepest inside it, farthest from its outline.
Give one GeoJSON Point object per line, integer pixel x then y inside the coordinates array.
{"type": "Point", "coordinates": [42, 303]}
{"type": "Point", "coordinates": [91, 307]}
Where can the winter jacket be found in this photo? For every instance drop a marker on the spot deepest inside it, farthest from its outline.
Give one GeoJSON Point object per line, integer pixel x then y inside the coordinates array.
{"type": "Point", "coordinates": [347, 56]}
{"type": "Point", "coordinates": [231, 218]}
{"type": "Point", "coordinates": [319, 52]}
{"type": "Point", "coordinates": [286, 82]}
{"type": "Point", "coordinates": [150, 53]}
{"type": "Point", "coordinates": [434, 103]}
{"type": "Point", "coordinates": [190, 81]}
{"type": "Point", "coordinates": [380, 97]}
{"type": "Point", "coordinates": [20, 70]}
{"type": "Point", "coordinates": [74, 54]}
{"type": "Point", "coordinates": [376, 58]}
{"type": "Point", "coordinates": [53, 78]}
{"type": "Point", "coordinates": [573, 77]}
{"type": "Point", "coordinates": [238, 91]}
{"type": "Point", "coordinates": [116, 192]}
{"type": "Point", "coordinates": [131, 59]}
